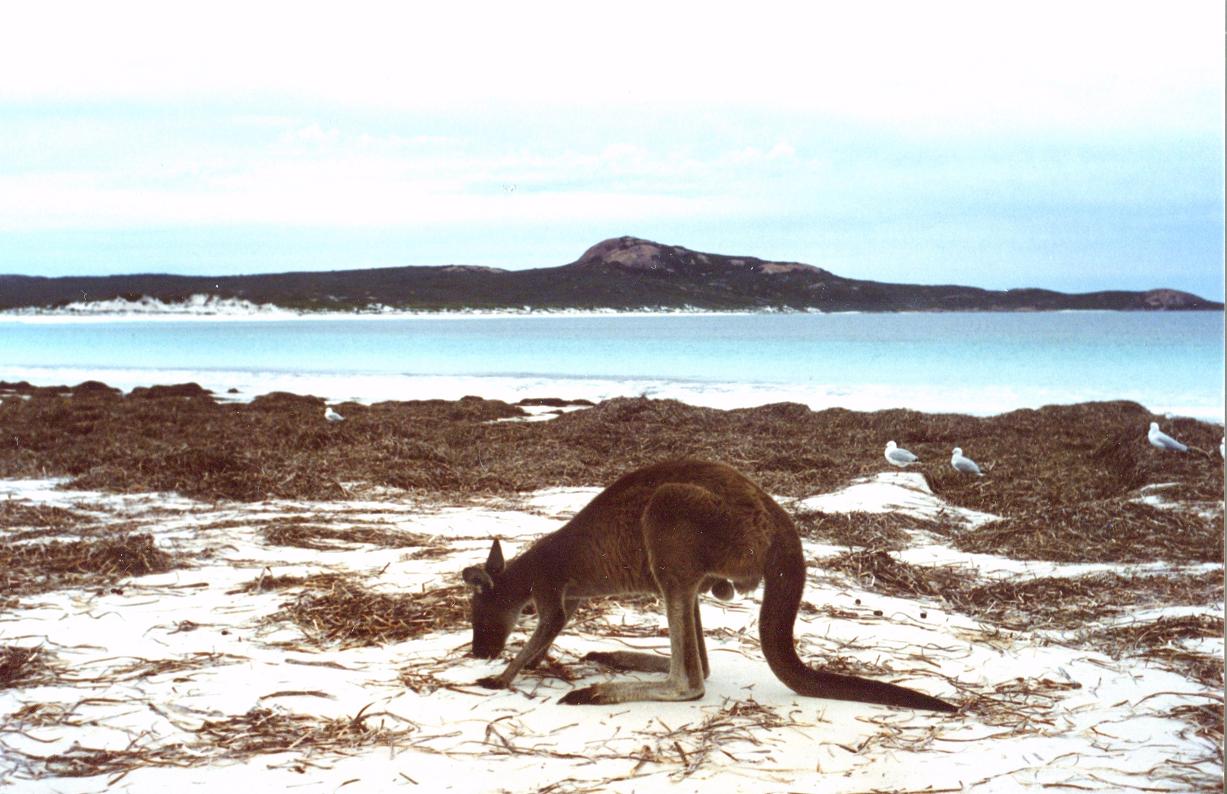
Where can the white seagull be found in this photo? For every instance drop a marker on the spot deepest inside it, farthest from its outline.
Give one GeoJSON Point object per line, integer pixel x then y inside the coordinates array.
{"type": "Point", "coordinates": [331, 415]}
{"type": "Point", "coordinates": [965, 465]}
{"type": "Point", "coordinates": [898, 456]}
{"type": "Point", "coordinates": [1162, 440]}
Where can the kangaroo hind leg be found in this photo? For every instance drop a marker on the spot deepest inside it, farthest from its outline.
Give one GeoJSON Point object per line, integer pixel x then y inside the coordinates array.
{"type": "Point", "coordinates": [649, 662]}
{"type": "Point", "coordinates": [685, 679]}
{"type": "Point", "coordinates": [675, 524]}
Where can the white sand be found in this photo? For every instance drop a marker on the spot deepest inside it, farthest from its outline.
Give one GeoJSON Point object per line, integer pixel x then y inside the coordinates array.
{"type": "Point", "coordinates": [1088, 722]}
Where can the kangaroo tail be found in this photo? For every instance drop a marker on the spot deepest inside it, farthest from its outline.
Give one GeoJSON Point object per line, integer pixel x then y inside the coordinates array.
{"type": "Point", "coordinates": [785, 579]}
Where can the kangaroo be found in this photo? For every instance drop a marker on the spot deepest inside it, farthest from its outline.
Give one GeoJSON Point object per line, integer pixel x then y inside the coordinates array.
{"type": "Point", "coordinates": [676, 528]}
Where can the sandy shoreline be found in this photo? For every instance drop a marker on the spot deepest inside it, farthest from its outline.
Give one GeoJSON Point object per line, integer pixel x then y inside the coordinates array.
{"type": "Point", "coordinates": [301, 626]}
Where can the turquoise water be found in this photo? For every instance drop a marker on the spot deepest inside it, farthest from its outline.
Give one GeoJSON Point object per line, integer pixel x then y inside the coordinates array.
{"type": "Point", "coordinates": [974, 362]}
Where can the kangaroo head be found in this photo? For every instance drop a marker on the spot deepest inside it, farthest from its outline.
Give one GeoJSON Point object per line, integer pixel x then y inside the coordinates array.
{"type": "Point", "coordinates": [493, 616]}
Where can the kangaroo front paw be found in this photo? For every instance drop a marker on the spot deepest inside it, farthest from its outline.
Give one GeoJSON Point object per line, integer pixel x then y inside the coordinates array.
{"type": "Point", "coordinates": [585, 696]}
{"type": "Point", "coordinates": [491, 682]}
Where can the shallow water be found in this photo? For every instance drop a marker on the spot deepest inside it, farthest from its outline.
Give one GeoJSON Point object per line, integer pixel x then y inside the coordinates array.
{"type": "Point", "coordinates": [980, 363]}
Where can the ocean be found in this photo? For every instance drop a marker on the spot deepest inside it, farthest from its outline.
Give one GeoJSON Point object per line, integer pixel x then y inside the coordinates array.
{"type": "Point", "coordinates": [976, 363]}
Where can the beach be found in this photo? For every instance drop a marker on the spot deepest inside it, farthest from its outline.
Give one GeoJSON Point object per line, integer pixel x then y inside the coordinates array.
{"type": "Point", "coordinates": [203, 591]}
{"type": "Point", "coordinates": [348, 355]}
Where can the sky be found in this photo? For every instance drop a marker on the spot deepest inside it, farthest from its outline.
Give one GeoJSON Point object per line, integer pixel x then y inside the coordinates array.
{"type": "Point", "coordinates": [1073, 146]}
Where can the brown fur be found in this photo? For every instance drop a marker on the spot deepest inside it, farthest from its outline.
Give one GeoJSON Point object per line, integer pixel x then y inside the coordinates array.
{"type": "Point", "coordinates": [676, 528]}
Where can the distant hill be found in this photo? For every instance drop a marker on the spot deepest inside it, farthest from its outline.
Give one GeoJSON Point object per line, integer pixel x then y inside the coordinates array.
{"type": "Point", "coordinates": [624, 273]}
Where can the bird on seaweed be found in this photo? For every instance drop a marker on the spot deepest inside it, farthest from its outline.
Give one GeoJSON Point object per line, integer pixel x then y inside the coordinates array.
{"type": "Point", "coordinates": [331, 415]}
{"type": "Point", "coordinates": [964, 464]}
{"type": "Point", "coordinates": [898, 456]}
{"type": "Point", "coordinates": [1162, 440]}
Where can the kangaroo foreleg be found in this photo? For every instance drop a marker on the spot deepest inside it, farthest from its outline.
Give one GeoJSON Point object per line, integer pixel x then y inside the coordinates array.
{"type": "Point", "coordinates": [569, 607]}
{"type": "Point", "coordinates": [551, 617]}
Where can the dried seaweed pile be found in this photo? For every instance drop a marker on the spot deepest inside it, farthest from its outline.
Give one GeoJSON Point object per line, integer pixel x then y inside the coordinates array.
{"type": "Point", "coordinates": [1101, 531]}
{"type": "Point", "coordinates": [307, 535]}
{"type": "Point", "coordinates": [856, 528]}
{"type": "Point", "coordinates": [346, 614]}
{"type": "Point", "coordinates": [1160, 641]}
{"type": "Point", "coordinates": [1075, 604]}
{"type": "Point", "coordinates": [262, 731]}
{"type": "Point", "coordinates": [1054, 602]}
{"type": "Point", "coordinates": [27, 568]}
{"type": "Point", "coordinates": [1165, 631]}
{"type": "Point", "coordinates": [1071, 602]}
{"type": "Point", "coordinates": [280, 446]}
{"type": "Point", "coordinates": [264, 584]}
{"type": "Point", "coordinates": [877, 570]}
{"type": "Point", "coordinates": [1191, 479]}
{"type": "Point", "coordinates": [36, 520]}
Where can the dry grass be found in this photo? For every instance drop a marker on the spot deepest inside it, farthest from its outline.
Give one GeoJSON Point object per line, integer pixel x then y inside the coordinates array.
{"type": "Point", "coordinates": [860, 529]}
{"type": "Point", "coordinates": [260, 731]}
{"type": "Point", "coordinates": [280, 446]}
{"type": "Point", "coordinates": [304, 534]}
{"type": "Point", "coordinates": [738, 723]}
{"type": "Point", "coordinates": [877, 570]}
{"type": "Point", "coordinates": [44, 518]}
{"type": "Point", "coordinates": [1207, 719]}
{"type": "Point", "coordinates": [1070, 602]}
{"type": "Point", "coordinates": [1159, 641]}
{"type": "Point", "coordinates": [1204, 668]}
{"type": "Point", "coordinates": [341, 612]}
{"type": "Point", "coordinates": [1062, 478]}
{"type": "Point", "coordinates": [1073, 604]}
{"type": "Point", "coordinates": [36, 567]}
{"type": "Point", "coordinates": [1111, 530]}
{"type": "Point", "coordinates": [1138, 637]}
{"type": "Point", "coordinates": [264, 584]}
{"type": "Point", "coordinates": [25, 667]}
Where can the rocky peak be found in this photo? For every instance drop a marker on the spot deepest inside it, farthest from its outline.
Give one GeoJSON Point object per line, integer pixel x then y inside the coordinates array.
{"type": "Point", "coordinates": [1170, 299]}
{"type": "Point", "coordinates": [632, 253]}
{"type": "Point", "coordinates": [470, 269]}
{"type": "Point", "coordinates": [635, 253]}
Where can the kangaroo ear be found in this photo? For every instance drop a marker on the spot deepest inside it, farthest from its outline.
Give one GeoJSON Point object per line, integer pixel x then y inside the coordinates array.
{"type": "Point", "coordinates": [494, 563]}
{"type": "Point", "coordinates": [478, 578]}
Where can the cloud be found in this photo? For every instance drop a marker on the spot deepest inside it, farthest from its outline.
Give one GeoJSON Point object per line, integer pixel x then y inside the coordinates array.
{"type": "Point", "coordinates": [149, 172]}
{"type": "Point", "coordinates": [938, 65]}
{"type": "Point", "coordinates": [323, 194]}
{"type": "Point", "coordinates": [785, 122]}
{"type": "Point", "coordinates": [313, 135]}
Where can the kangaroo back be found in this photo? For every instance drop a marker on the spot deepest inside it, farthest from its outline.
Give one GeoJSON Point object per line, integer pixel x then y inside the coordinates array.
{"type": "Point", "coordinates": [784, 575]}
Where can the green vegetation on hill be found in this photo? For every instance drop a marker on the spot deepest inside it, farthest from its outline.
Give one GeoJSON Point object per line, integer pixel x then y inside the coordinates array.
{"type": "Point", "coordinates": [624, 273]}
